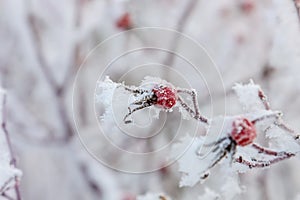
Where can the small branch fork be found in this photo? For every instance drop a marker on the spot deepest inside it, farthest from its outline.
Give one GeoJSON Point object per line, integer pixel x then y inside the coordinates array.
{"type": "Point", "coordinates": [279, 156]}
{"type": "Point", "coordinates": [279, 123]}
{"type": "Point", "coordinates": [59, 89]}
{"type": "Point", "coordinates": [13, 158]}
{"type": "Point", "coordinates": [145, 102]}
{"type": "Point", "coordinates": [195, 112]}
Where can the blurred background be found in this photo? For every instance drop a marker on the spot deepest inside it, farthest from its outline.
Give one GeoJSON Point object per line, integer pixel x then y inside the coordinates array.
{"type": "Point", "coordinates": [45, 43]}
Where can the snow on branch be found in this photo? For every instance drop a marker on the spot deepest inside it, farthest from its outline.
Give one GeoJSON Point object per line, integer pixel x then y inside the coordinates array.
{"type": "Point", "coordinates": [154, 93]}
{"type": "Point", "coordinates": [9, 174]}
{"type": "Point", "coordinates": [233, 139]}
{"type": "Point", "coordinates": [230, 141]}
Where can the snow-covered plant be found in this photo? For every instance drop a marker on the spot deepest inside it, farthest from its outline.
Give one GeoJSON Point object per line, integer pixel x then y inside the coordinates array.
{"type": "Point", "coordinates": [152, 92]}
{"type": "Point", "coordinates": [9, 174]}
{"type": "Point", "coordinates": [229, 140]}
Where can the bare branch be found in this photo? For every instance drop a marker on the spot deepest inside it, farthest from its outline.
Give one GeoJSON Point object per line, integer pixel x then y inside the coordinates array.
{"type": "Point", "coordinates": [181, 23]}
{"type": "Point", "coordinates": [58, 90]}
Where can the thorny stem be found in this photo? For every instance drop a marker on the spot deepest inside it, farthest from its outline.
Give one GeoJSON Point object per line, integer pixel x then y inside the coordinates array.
{"type": "Point", "coordinates": [193, 94]}
{"type": "Point", "coordinates": [13, 158]}
{"type": "Point", "coordinates": [268, 151]}
{"type": "Point", "coordinates": [285, 127]}
{"type": "Point", "coordinates": [188, 109]}
{"type": "Point", "coordinates": [275, 115]}
{"type": "Point", "coordinates": [263, 163]}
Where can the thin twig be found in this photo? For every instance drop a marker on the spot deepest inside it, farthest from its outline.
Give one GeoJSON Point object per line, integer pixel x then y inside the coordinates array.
{"type": "Point", "coordinates": [192, 112]}
{"type": "Point", "coordinates": [13, 161]}
{"type": "Point", "coordinates": [181, 23]}
{"type": "Point", "coordinates": [265, 163]}
{"type": "Point", "coordinates": [275, 115]}
{"type": "Point", "coordinates": [6, 196]}
{"type": "Point", "coordinates": [264, 99]}
{"type": "Point", "coordinates": [90, 182]}
{"type": "Point", "coordinates": [268, 151]}
{"type": "Point", "coordinates": [5, 184]}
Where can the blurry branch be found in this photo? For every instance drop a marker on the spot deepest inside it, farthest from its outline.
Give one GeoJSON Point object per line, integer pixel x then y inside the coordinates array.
{"type": "Point", "coordinates": [13, 161]}
{"type": "Point", "coordinates": [297, 5]}
{"type": "Point", "coordinates": [91, 183]}
{"type": "Point", "coordinates": [6, 196]}
{"type": "Point", "coordinates": [185, 15]}
{"type": "Point", "coordinates": [181, 23]}
{"type": "Point", "coordinates": [59, 90]}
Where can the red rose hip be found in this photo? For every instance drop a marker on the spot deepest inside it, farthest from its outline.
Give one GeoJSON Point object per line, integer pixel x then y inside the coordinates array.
{"type": "Point", "coordinates": [243, 132]}
{"type": "Point", "coordinates": [124, 22]}
{"type": "Point", "coordinates": [166, 97]}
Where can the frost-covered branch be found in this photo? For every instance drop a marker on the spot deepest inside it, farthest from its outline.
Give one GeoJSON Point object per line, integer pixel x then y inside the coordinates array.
{"type": "Point", "coordinates": [235, 142]}
{"type": "Point", "coordinates": [237, 139]}
{"type": "Point", "coordinates": [153, 92]}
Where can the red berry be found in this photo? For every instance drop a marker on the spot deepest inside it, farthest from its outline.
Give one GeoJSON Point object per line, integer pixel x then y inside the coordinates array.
{"type": "Point", "coordinates": [247, 6]}
{"type": "Point", "coordinates": [166, 97]}
{"type": "Point", "coordinates": [124, 22]}
{"type": "Point", "coordinates": [243, 132]}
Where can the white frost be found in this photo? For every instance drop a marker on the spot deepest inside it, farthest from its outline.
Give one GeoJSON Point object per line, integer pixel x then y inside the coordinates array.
{"type": "Point", "coordinates": [105, 91]}
{"type": "Point", "coordinates": [248, 96]}
{"type": "Point", "coordinates": [209, 195]}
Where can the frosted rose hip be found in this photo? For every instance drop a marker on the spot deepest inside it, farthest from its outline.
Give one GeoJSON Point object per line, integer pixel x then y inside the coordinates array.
{"type": "Point", "coordinates": [243, 132]}
{"type": "Point", "coordinates": [166, 97]}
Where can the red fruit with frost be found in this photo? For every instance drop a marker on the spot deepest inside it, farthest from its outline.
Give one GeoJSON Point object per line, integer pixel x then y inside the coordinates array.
{"type": "Point", "coordinates": [243, 132]}
{"type": "Point", "coordinates": [166, 97]}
